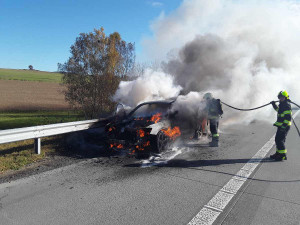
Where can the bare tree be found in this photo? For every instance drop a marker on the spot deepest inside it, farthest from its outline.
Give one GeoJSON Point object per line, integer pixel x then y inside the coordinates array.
{"type": "Point", "coordinates": [93, 72]}
{"type": "Point", "coordinates": [139, 68]}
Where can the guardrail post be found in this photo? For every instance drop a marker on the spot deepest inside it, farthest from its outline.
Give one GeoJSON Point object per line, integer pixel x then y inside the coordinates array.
{"type": "Point", "coordinates": [37, 145]}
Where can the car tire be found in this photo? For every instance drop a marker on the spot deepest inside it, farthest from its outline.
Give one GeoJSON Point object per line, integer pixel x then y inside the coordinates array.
{"type": "Point", "coordinates": [162, 142]}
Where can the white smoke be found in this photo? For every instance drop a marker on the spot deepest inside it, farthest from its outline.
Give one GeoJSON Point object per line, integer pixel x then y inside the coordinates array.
{"type": "Point", "coordinates": [190, 109]}
{"type": "Point", "coordinates": [152, 85]}
{"type": "Point", "coordinates": [244, 52]}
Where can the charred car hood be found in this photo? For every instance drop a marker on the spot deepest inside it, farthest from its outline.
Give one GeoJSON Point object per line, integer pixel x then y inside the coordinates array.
{"type": "Point", "coordinates": [156, 127]}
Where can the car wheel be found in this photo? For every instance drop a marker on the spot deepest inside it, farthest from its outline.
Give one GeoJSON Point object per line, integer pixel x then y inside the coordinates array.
{"type": "Point", "coordinates": [162, 141]}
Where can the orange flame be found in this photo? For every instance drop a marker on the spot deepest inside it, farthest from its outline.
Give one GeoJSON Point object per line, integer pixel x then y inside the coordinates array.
{"type": "Point", "coordinates": [156, 117]}
{"type": "Point", "coordinates": [142, 148]}
{"type": "Point", "coordinates": [141, 133]}
{"type": "Point", "coordinates": [172, 133]}
{"type": "Point", "coordinates": [111, 128]}
{"type": "Point", "coordinates": [139, 118]}
{"type": "Point", "coordinates": [131, 152]}
{"type": "Point", "coordinates": [139, 148]}
{"type": "Point", "coordinates": [146, 144]}
{"type": "Point", "coordinates": [116, 145]}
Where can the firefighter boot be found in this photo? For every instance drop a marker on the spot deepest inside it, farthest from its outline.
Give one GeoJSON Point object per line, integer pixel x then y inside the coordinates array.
{"type": "Point", "coordinates": [278, 156]}
{"type": "Point", "coordinates": [214, 142]}
{"type": "Point", "coordinates": [274, 155]}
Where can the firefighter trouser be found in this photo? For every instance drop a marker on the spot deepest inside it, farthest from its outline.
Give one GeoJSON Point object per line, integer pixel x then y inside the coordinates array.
{"type": "Point", "coordinates": [280, 139]}
{"type": "Point", "coordinates": [213, 126]}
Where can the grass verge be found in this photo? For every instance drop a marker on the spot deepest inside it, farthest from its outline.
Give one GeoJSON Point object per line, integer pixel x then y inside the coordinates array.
{"type": "Point", "coordinates": [10, 120]}
{"type": "Point", "coordinates": [14, 156]}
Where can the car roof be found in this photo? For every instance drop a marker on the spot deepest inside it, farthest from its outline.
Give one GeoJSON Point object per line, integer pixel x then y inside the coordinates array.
{"type": "Point", "coordinates": [158, 102]}
{"type": "Point", "coordinates": [161, 102]}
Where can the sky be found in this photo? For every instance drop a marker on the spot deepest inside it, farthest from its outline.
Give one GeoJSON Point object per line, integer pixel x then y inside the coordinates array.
{"type": "Point", "coordinates": [40, 32]}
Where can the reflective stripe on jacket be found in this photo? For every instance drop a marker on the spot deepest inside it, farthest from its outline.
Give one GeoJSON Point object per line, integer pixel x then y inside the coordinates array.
{"type": "Point", "coordinates": [284, 115]}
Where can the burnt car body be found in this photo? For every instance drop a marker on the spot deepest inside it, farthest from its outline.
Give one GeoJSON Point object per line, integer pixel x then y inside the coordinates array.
{"type": "Point", "coordinates": [145, 129]}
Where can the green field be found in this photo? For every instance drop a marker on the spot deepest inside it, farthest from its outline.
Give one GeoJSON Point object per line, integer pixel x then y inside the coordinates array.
{"type": "Point", "coordinates": [30, 75]}
{"type": "Point", "coordinates": [10, 120]}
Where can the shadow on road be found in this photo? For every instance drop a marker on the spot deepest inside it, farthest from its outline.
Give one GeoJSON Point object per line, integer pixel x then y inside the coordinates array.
{"type": "Point", "coordinates": [200, 164]}
{"type": "Point", "coordinates": [196, 145]}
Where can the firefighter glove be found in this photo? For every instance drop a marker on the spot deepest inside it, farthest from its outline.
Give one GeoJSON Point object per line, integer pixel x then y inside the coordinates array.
{"type": "Point", "coordinates": [273, 103]}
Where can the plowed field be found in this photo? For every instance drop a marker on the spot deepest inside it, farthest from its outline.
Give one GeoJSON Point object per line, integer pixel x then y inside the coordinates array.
{"type": "Point", "coordinates": [30, 95]}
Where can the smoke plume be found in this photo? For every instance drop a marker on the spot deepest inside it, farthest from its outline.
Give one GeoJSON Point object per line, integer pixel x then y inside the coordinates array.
{"type": "Point", "coordinates": [152, 85]}
{"type": "Point", "coordinates": [244, 52]}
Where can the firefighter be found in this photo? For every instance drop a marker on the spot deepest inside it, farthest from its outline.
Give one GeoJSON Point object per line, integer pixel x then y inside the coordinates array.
{"type": "Point", "coordinates": [214, 111]}
{"type": "Point", "coordinates": [283, 123]}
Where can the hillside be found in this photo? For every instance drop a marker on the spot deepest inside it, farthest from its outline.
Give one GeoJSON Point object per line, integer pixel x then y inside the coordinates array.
{"type": "Point", "coordinates": [30, 75]}
{"type": "Point", "coordinates": [27, 90]}
{"type": "Point", "coordinates": [31, 95]}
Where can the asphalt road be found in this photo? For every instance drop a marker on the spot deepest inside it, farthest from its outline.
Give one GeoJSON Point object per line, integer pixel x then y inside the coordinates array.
{"type": "Point", "coordinates": [123, 190]}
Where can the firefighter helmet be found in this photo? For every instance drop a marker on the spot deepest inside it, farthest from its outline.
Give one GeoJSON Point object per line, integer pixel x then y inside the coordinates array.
{"type": "Point", "coordinates": [208, 96]}
{"type": "Point", "coordinates": [283, 94]}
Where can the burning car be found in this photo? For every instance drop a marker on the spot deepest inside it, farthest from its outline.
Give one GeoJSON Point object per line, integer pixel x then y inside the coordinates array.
{"type": "Point", "coordinates": [145, 129]}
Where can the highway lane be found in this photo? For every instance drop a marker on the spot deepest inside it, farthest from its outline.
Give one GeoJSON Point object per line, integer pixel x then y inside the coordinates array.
{"type": "Point", "coordinates": [120, 191]}
{"type": "Point", "coordinates": [273, 195]}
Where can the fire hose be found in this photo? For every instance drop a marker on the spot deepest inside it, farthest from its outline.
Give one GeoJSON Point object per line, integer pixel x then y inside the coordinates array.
{"type": "Point", "coordinates": [265, 106]}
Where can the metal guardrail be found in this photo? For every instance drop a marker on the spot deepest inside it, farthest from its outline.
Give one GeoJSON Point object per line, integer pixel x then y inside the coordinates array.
{"type": "Point", "coordinates": [37, 132]}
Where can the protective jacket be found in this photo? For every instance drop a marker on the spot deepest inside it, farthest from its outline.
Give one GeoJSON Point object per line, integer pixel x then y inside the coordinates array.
{"type": "Point", "coordinates": [214, 109]}
{"type": "Point", "coordinates": [284, 115]}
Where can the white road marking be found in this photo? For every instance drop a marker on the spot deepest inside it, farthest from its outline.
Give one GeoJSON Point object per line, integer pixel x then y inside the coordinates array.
{"type": "Point", "coordinates": [210, 212]}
